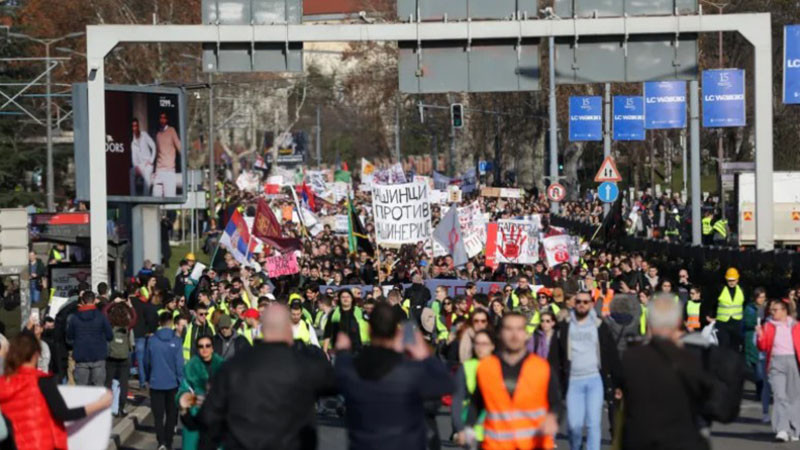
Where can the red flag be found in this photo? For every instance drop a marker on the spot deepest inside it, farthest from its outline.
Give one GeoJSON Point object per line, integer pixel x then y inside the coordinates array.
{"type": "Point", "coordinates": [344, 166]}
{"type": "Point", "coordinates": [308, 196]}
{"type": "Point", "coordinates": [267, 228]}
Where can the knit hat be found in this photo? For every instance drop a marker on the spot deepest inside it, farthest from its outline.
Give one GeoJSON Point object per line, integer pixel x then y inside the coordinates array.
{"type": "Point", "coordinates": [225, 322]}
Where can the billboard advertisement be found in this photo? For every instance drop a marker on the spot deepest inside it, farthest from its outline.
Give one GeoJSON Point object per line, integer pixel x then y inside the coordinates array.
{"type": "Point", "coordinates": [791, 64]}
{"type": "Point", "coordinates": [585, 119]}
{"type": "Point", "coordinates": [145, 144]}
{"type": "Point", "coordinates": [723, 98]}
{"type": "Point", "coordinates": [628, 118]}
{"type": "Point", "coordinates": [664, 104]}
{"type": "Point", "coordinates": [292, 147]}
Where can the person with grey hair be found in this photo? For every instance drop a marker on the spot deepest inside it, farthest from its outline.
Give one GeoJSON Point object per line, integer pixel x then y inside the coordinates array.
{"type": "Point", "coordinates": [663, 373]}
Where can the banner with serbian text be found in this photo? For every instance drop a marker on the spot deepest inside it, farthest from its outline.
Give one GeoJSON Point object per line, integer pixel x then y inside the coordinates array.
{"type": "Point", "coordinates": [278, 266]}
{"type": "Point", "coordinates": [402, 213]}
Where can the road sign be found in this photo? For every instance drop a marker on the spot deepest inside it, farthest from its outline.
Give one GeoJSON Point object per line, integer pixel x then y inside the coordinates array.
{"type": "Point", "coordinates": [556, 192]}
{"type": "Point", "coordinates": [723, 98]}
{"type": "Point", "coordinates": [748, 216]}
{"type": "Point", "coordinates": [796, 216]}
{"type": "Point", "coordinates": [791, 64]}
{"type": "Point", "coordinates": [608, 192]}
{"type": "Point", "coordinates": [608, 172]}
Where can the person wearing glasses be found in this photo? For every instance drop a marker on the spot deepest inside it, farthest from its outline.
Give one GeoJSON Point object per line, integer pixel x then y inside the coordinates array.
{"type": "Point", "coordinates": [196, 377]}
{"type": "Point", "coordinates": [197, 328]}
{"type": "Point", "coordinates": [584, 357]}
{"type": "Point", "coordinates": [465, 385]}
{"type": "Point", "coordinates": [477, 322]}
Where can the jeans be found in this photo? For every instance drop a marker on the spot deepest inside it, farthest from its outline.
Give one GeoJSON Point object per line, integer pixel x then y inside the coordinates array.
{"type": "Point", "coordinates": [585, 408]}
{"type": "Point", "coordinates": [765, 391]}
{"type": "Point", "coordinates": [140, 342]}
{"type": "Point", "coordinates": [118, 369]}
{"type": "Point", "coordinates": [90, 373]}
{"type": "Point", "coordinates": [165, 414]}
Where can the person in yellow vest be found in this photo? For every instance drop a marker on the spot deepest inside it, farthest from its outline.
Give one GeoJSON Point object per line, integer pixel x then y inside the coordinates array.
{"type": "Point", "coordinates": [692, 313]}
{"type": "Point", "coordinates": [251, 329]}
{"type": "Point", "coordinates": [466, 381]}
{"type": "Point", "coordinates": [519, 393]}
{"type": "Point", "coordinates": [720, 231]}
{"type": "Point", "coordinates": [707, 227]}
{"type": "Point", "coordinates": [197, 328]}
{"type": "Point", "coordinates": [729, 311]}
{"type": "Point", "coordinates": [301, 330]}
{"type": "Point", "coordinates": [170, 306]}
{"type": "Point", "coordinates": [349, 319]}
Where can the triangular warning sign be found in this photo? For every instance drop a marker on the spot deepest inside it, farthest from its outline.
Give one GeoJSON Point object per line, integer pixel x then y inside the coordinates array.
{"type": "Point", "coordinates": [748, 216]}
{"type": "Point", "coordinates": [608, 172]}
{"type": "Point", "coordinates": [796, 216]}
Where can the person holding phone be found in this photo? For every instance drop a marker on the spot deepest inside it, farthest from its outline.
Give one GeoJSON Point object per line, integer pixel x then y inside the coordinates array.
{"type": "Point", "coordinates": [196, 380]}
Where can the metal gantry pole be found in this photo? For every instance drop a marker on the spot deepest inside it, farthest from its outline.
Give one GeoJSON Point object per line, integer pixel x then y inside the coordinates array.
{"type": "Point", "coordinates": [212, 169]}
{"type": "Point", "coordinates": [397, 131]}
{"type": "Point", "coordinates": [318, 138]}
{"type": "Point", "coordinates": [606, 132]}
{"type": "Point", "coordinates": [51, 199]}
{"type": "Point", "coordinates": [553, 120]}
{"type": "Point", "coordinates": [694, 131]}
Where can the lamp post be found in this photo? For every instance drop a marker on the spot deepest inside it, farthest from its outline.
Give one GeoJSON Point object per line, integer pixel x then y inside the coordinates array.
{"type": "Point", "coordinates": [51, 204]}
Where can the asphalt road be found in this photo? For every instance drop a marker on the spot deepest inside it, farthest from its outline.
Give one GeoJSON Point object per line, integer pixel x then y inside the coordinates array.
{"type": "Point", "coordinates": [746, 433]}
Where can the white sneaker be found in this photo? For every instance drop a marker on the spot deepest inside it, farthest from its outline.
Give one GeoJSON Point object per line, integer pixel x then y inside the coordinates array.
{"type": "Point", "coordinates": [794, 438]}
{"type": "Point", "coordinates": [782, 436]}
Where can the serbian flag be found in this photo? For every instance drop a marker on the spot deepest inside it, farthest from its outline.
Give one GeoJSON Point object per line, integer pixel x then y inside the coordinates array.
{"type": "Point", "coordinates": [308, 196]}
{"type": "Point", "coordinates": [273, 185]}
{"type": "Point", "coordinates": [267, 228]}
{"type": "Point", "coordinates": [236, 239]}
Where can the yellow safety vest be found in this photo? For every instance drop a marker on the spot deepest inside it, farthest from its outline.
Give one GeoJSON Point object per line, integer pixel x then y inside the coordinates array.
{"type": "Point", "coordinates": [175, 313]}
{"type": "Point", "coordinates": [187, 340]}
{"type": "Point", "coordinates": [721, 227]}
{"type": "Point", "coordinates": [363, 325]}
{"type": "Point", "coordinates": [302, 333]}
{"type": "Point", "coordinates": [730, 307]}
{"type": "Point", "coordinates": [707, 227]}
{"type": "Point", "coordinates": [471, 379]}
{"type": "Point", "coordinates": [643, 321]}
{"type": "Point", "coordinates": [245, 331]}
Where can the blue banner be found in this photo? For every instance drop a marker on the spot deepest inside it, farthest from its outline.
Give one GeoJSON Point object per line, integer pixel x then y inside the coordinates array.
{"type": "Point", "coordinates": [723, 98]}
{"type": "Point", "coordinates": [664, 104]}
{"type": "Point", "coordinates": [791, 64]}
{"type": "Point", "coordinates": [628, 118]}
{"type": "Point", "coordinates": [585, 119]}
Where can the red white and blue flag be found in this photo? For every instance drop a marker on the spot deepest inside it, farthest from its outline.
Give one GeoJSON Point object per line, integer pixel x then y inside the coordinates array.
{"type": "Point", "coordinates": [236, 239]}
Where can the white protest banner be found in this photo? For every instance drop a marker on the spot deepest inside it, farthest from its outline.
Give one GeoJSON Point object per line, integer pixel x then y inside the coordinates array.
{"type": "Point", "coordinates": [317, 181]}
{"type": "Point", "coordinates": [438, 197]}
{"type": "Point", "coordinates": [448, 235]}
{"type": "Point", "coordinates": [392, 175]}
{"type": "Point", "coordinates": [517, 242]}
{"type": "Point", "coordinates": [402, 213]}
{"type": "Point", "coordinates": [197, 270]}
{"type": "Point", "coordinates": [473, 228]}
{"type": "Point", "coordinates": [454, 194]}
{"type": "Point", "coordinates": [558, 249]}
{"type": "Point", "coordinates": [339, 191]}
{"type": "Point", "coordinates": [91, 432]}
{"type": "Point", "coordinates": [341, 225]}
{"type": "Point", "coordinates": [277, 266]}
{"type": "Point", "coordinates": [248, 181]}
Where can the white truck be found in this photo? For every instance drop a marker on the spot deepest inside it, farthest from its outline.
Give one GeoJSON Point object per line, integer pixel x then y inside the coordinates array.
{"type": "Point", "coordinates": [786, 214]}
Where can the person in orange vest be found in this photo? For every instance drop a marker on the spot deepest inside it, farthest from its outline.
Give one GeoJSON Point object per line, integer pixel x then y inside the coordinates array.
{"type": "Point", "coordinates": [519, 394]}
{"type": "Point", "coordinates": [602, 295]}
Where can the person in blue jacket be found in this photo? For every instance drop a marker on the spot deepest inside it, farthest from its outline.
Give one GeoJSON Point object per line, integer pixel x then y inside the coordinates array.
{"type": "Point", "coordinates": [163, 366]}
{"type": "Point", "coordinates": [89, 331]}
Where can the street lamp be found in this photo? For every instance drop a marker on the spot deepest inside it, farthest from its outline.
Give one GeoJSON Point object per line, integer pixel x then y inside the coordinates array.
{"type": "Point", "coordinates": [47, 42]}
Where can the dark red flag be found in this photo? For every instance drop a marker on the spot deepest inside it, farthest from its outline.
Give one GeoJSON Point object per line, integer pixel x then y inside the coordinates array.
{"type": "Point", "coordinates": [267, 228]}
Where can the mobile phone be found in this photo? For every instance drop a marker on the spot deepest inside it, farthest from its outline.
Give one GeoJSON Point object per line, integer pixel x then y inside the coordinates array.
{"type": "Point", "coordinates": [409, 335]}
{"type": "Point", "coordinates": [758, 321]}
{"type": "Point", "coordinates": [35, 315]}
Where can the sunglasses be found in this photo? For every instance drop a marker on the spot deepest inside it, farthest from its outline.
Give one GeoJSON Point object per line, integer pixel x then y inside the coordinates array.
{"type": "Point", "coordinates": [204, 346]}
{"type": "Point", "coordinates": [547, 321]}
{"type": "Point", "coordinates": [202, 314]}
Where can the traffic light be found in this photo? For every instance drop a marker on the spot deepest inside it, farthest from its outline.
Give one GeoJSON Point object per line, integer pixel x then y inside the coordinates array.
{"type": "Point", "coordinates": [457, 115]}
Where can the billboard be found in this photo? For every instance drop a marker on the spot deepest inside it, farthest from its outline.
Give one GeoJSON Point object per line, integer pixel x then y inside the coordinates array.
{"type": "Point", "coordinates": [585, 119]}
{"type": "Point", "coordinates": [723, 98]}
{"type": "Point", "coordinates": [664, 104]}
{"type": "Point", "coordinates": [145, 144]}
{"type": "Point", "coordinates": [791, 64]}
{"type": "Point", "coordinates": [628, 118]}
{"type": "Point", "coordinates": [292, 147]}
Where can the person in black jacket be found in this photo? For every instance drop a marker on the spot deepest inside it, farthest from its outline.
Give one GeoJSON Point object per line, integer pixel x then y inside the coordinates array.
{"type": "Point", "coordinates": [264, 397]}
{"type": "Point", "coordinates": [146, 324]}
{"type": "Point", "coordinates": [385, 391]}
{"type": "Point", "coordinates": [665, 374]}
{"type": "Point", "coordinates": [418, 296]}
{"type": "Point", "coordinates": [584, 357]}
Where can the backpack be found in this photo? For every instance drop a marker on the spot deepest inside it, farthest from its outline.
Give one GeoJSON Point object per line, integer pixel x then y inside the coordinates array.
{"type": "Point", "coordinates": [120, 346]}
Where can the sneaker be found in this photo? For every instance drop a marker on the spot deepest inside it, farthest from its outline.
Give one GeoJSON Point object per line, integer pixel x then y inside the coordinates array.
{"type": "Point", "coordinates": [782, 436]}
{"type": "Point", "coordinates": [794, 438]}
{"type": "Point", "coordinates": [766, 418]}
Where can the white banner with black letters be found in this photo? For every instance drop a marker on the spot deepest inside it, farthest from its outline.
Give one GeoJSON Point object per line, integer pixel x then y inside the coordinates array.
{"type": "Point", "coordinates": [402, 213]}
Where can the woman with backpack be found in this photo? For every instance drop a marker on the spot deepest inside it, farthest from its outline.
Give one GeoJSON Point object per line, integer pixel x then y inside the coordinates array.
{"type": "Point", "coordinates": [122, 317]}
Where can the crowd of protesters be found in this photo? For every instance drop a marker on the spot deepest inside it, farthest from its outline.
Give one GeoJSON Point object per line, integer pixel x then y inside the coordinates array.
{"type": "Point", "coordinates": [242, 360]}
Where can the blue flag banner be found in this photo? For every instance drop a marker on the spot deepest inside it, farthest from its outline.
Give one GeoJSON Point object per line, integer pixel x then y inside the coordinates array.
{"type": "Point", "coordinates": [664, 104]}
{"type": "Point", "coordinates": [628, 118]}
{"type": "Point", "coordinates": [585, 119]}
{"type": "Point", "coordinates": [723, 98]}
{"type": "Point", "coordinates": [791, 64]}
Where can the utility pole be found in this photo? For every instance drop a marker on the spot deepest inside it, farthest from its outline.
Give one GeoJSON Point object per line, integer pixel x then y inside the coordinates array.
{"type": "Point", "coordinates": [607, 132]}
{"type": "Point", "coordinates": [51, 197]}
{"type": "Point", "coordinates": [397, 130]}
{"type": "Point", "coordinates": [553, 120]}
{"type": "Point", "coordinates": [212, 169]}
{"type": "Point", "coordinates": [317, 139]}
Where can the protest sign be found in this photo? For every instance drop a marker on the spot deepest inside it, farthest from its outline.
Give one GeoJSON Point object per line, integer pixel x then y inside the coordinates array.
{"type": "Point", "coordinates": [473, 228]}
{"type": "Point", "coordinates": [448, 235]}
{"type": "Point", "coordinates": [402, 213]}
{"type": "Point", "coordinates": [491, 246]}
{"type": "Point", "coordinates": [392, 175]}
{"type": "Point", "coordinates": [339, 191]}
{"type": "Point", "coordinates": [91, 432]}
{"type": "Point", "coordinates": [424, 179]}
{"type": "Point", "coordinates": [197, 271]}
{"type": "Point", "coordinates": [517, 242]}
{"type": "Point", "coordinates": [438, 197]}
{"type": "Point", "coordinates": [248, 181]}
{"type": "Point", "coordinates": [277, 266]}
{"type": "Point", "coordinates": [501, 192]}
{"type": "Point", "coordinates": [340, 225]}
{"type": "Point", "coordinates": [64, 279]}
{"type": "Point", "coordinates": [317, 181]}
{"type": "Point", "coordinates": [367, 175]}
{"type": "Point", "coordinates": [559, 249]}
{"type": "Point", "coordinates": [454, 194]}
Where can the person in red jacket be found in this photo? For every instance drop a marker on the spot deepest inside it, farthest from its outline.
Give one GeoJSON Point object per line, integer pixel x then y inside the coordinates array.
{"type": "Point", "coordinates": [30, 400]}
{"type": "Point", "coordinates": [780, 339]}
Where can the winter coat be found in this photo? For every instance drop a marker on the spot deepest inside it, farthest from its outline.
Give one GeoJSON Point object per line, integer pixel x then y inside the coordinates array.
{"type": "Point", "coordinates": [163, 360]}
{"type": "Point", "coordinates": [196, 379]}
{"type": "Point", "coordinates": [89, 332]}
{"type": "Point", "coordinates": [23, 404]}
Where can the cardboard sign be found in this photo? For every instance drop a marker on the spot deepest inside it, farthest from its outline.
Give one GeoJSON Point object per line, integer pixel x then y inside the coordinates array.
{"type": "Point", "coordinates": [92, 432]}
{"type": "Point", "coordinates": [454, 194]}
{"type": "Point", "coordinates": [278, 266]}
{"type": "Point", "coordinates": [473, 228]}
{"type": "Point", "coordinates": [402, 213]}
{"type": "Point", "coordinates": [494, 192]}
{"type": "Point", "coordinates": [560, 249]}
{"type": "Point", "coordinates": [517, 242]}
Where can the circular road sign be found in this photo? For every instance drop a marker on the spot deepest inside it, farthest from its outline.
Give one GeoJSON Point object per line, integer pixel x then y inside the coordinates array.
{"type": "Point", "coordinates": [556, 192]}
{"type": "Point", "coordinates": [608, 192]}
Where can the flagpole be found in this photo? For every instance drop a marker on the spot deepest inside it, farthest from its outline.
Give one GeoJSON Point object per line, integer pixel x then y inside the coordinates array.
{"type": "Point", "coordinates": [299, 211]}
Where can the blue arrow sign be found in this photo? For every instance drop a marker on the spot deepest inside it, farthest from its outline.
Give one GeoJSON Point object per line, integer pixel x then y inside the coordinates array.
{"type": "Point", "coordinates": [628, 118]}
{"type": "Point", "coordinates": [608, 192]}
{"type": "Point", "coordinates": [664, 104]}
{"type": "Point", "coordinates": [723, 98]}
{"type": "Point", "coordinates": [791, 64]}
{"type": "Point", "coordinates": [585, 119]}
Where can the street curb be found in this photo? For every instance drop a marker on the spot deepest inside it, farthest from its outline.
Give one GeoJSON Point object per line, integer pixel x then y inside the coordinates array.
{"type": "Point", "coordinates": [127, 426]}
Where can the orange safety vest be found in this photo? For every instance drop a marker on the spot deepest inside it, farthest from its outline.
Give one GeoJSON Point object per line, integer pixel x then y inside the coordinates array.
{"type": "Point", "coordinates": [606, 308]}
{"type": "Point", "coordinates": [514, 423]}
